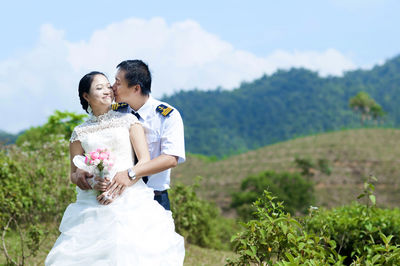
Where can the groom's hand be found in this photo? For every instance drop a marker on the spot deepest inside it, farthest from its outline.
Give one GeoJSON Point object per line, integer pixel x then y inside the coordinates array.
{"type": "Point", "coordinates": [81, 179]}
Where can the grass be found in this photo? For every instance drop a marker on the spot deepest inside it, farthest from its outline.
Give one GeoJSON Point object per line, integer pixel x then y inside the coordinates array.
{"type": "Point", "coordinates": [195, 255]}
{"type": "Point", "coordinates": [352, 154]}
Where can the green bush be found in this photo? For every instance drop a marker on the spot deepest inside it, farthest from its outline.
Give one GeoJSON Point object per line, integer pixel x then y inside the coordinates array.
{"type": "Point", "coordinates": [277, 238]}
{"type": "Point", "coordinates": [359, 228]}
{"type": "Point", "coordinates": [34, 189]}
{"type": "Point", "coordinates": [34, 182]}
{"type": "Point", "coordinates": [351, 235]}
{"type": "Point", "coordinates": [353, 227]}
{"type": "Point", "coordinates": [199, 221]}
{"type": "Point", "coordinates": [296, 192]}
{"type": "Point", "coordinates": [60, 123]}
{"type": "Point", "coordinates": [308, 166]}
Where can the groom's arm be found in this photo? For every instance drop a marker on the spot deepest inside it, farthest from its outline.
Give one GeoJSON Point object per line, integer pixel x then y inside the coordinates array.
{"type": "Point", "coordinates": [156, 165]}
{"type": "Point", "coordinates": [172, 149]}
{"type": "Point", "coordinates": [121, 179]}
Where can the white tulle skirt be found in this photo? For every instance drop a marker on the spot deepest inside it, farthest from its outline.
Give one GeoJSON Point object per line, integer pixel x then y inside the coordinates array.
{"type": "Point", "coordinates": [133, 230]}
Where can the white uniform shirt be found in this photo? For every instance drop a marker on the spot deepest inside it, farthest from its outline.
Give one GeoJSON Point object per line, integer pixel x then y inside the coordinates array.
{"type": "Point", "coordinates": [164, 136]}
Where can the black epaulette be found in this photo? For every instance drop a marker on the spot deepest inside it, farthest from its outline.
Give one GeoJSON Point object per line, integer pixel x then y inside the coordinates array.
{"type": "Point", "coordinates": [118, 106]}
{"type": "Point", "coordinates": [164, 110]}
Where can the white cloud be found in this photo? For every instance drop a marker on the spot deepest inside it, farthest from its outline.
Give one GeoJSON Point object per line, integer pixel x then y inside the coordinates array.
{"type": "Point", "coordinates": [181, 56]}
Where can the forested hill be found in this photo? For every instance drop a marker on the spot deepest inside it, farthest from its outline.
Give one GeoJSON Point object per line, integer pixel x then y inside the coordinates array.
{"type": "Point", "coordinates": [282, 106]}
{"type": "Point", "coordinates": [7, 138]}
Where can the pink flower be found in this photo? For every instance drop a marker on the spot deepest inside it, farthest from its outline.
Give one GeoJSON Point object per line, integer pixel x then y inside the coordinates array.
{"type": "Point", "coordinates": [86, 160]}
{"type": "Point", "coordinates": [94, 155]}
{"type": "Point", "coordinates": [103, 156]}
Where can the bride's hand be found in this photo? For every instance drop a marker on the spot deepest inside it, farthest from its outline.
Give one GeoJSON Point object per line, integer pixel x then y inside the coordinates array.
{"type": "Point", "coordinates": [104, 198]}
{"type": "Point", "coordinates": [119, 183]}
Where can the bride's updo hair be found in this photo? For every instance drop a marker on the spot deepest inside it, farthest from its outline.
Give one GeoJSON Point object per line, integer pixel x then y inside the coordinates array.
{"type": "Point", "coordinates": [84, 86]}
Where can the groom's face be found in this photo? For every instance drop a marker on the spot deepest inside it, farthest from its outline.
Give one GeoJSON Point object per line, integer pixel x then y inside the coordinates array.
{"type": "Point", "coordinates": [120, 87]}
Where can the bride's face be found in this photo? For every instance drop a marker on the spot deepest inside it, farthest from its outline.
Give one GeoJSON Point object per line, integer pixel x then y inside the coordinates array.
{"type": "Point", "coordinates": [101, 93]}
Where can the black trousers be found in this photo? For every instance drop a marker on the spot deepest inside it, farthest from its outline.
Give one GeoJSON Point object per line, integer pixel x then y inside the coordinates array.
{"type": "Point", "coordinates": [162, 198]}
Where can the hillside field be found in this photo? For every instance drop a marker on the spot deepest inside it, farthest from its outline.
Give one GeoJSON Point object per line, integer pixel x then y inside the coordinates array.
{"type": "Point", "coordinates": [353, 155]}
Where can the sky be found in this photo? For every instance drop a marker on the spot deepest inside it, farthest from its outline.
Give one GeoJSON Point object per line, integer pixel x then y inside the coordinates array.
{"type": "Point", "coordinates": [47, 46]}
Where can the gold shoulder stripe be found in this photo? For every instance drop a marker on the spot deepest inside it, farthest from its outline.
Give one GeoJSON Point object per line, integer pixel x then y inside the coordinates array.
{"type": "Point", "coordinates": [164, 110]}
{"type": "Point", "coordinates": [116, 106]}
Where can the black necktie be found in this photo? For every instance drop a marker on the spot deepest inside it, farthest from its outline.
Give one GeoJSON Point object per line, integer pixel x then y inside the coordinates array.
{"type": "Point", "coordinates": [145, 178]}
{"type": "Point", "coordinates": [136, 114]}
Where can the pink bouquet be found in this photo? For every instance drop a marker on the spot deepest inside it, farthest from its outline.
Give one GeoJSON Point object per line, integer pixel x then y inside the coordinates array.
{"type": "Point", "coordinates": [101, 159]}
{"type": "Point", "coordinates": [98, 163]}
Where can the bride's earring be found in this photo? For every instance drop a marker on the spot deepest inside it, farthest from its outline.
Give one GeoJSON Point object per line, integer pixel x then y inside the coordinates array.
{"type": "Point", "coordinates": [89, 109]}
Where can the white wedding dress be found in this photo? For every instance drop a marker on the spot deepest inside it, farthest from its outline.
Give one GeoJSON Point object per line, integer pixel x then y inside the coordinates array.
{"type": "Point", "coordinates": [134, 229]}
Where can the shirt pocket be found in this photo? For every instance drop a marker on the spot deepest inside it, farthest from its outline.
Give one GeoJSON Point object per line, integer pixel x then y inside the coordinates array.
{"type": "Point", "coordinates": [153, 142]}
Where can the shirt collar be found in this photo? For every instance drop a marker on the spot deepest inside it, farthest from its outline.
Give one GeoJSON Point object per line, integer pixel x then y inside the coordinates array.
{"type": "Point", "coordinates": [147, 107]}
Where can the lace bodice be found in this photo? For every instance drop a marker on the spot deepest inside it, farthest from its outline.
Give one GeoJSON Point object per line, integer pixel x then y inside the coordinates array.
{"type": "Point", "coordinates": [110, 131]}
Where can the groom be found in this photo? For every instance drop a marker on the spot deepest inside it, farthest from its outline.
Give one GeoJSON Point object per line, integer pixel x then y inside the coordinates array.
{"type": "Point", "coordinates": [162, 124]}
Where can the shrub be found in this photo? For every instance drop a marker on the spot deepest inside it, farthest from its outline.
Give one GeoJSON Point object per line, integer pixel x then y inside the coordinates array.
{"type": "Point", "coordinates": [359, 229]}
{"type": "Point", "coordinates": [308, 166]}
{"type": "Point", "coordinates": [34, 189]}
{"type": "Point", "coordinates": [353, 227]}
{"type": "Point", "coordinates": [34, 182]}
{"type": "Point", "coordinates": [277, 238]}
{"type": "Point", "coordinates": [199, 221]}
{"type": "Point", "coordinates": [60, 124]}
{"type": "Point", "coordinates": [357, 234]}
{"type": "Point", "coordinates": [292, 188]}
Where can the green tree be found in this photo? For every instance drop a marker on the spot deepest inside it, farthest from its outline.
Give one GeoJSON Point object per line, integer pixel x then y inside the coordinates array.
{"type": "Point", "coordinates": [59, 124]}
{"type": "Point", "coordinates": [367, 107]}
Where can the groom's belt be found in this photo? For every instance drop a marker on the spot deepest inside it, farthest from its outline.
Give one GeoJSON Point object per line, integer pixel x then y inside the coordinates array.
{"type": "Point", "coordinates": [158, 193]}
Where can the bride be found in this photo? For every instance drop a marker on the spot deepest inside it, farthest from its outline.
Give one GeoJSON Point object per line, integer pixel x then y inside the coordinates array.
{"type": "Point", "coordinates": [131, 229]}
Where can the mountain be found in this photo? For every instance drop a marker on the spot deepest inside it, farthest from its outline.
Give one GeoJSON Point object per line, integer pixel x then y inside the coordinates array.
{"type": "Point", "coordinates": [7, 138]}
{"type": "Point", "coordinates": [282, 106]}
{"type": "Point", "coordinates": [352, 155]}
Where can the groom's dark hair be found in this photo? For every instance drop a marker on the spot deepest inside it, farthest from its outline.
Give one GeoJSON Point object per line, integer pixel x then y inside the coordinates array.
{"type": "Point", "coordinates": [137, 73]}
{"type": "Point", "coordinates": [84, 86]}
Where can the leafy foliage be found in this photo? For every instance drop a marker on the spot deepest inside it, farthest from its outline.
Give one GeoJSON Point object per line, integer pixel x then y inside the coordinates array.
{"type": "Point", "coordinates": [359, 228]}
{"type": "Point", "coordinates": [34, 181]}
{"type": "Point", "coordinates": [34, 189]}
{"type": "Point", "coordinates": [277, 238]}
{"type": "Point", "coordinates": [355, 227]}
{"type": "Point", "coordinates": [199, 221]}
{"type": "Point", "coordinates": [60, 123]}
{"type": "Point", "coordinates": [308, 166]}
{"type": "Point", "coordinates": [350, 235]}
{"type": "Point", "coordinates": [362, 103]}
{"type": "Point", "coordinates": [292, 188]}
